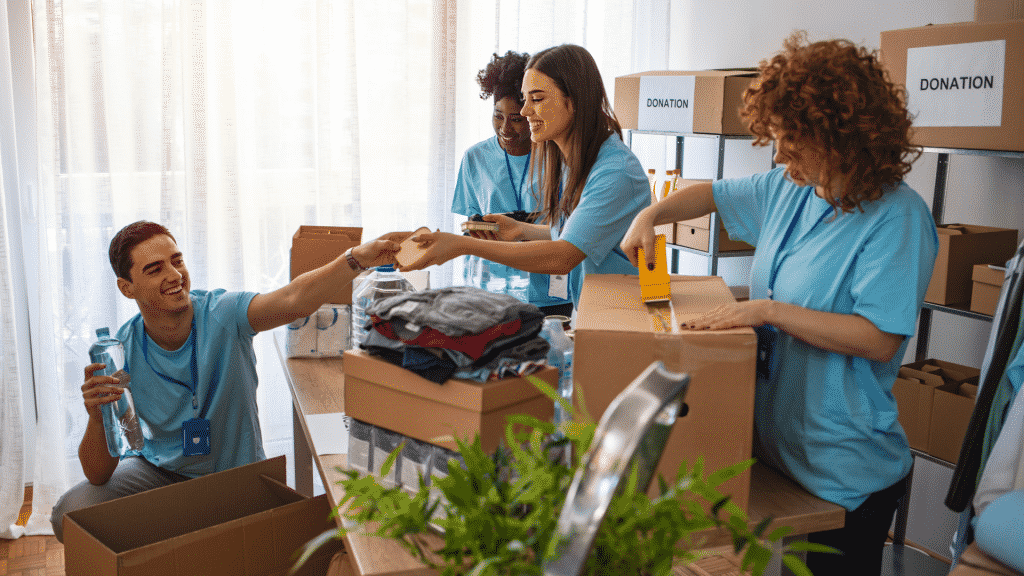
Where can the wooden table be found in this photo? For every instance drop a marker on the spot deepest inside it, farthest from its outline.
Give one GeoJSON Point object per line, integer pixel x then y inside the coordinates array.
{"type": "Point", "coordinates": [974, 562]}
{"type": "Point", "coordinates": [317, 387]}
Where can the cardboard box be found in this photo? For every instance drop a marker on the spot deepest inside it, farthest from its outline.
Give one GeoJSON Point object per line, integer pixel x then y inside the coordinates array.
{"type": "Point", "coordinates": [914, 392]}
{"type": "Point", "coordinates": [987, 284]}
{"type": "Point", "coordinates": [705, 102]}
{"type": "Point", "coordinates": [998, 10]}
{"type": "Point", "coordinates": [952, 406]}
{"type": "Point", "coordinates": [961, 246]}
{"type": "Point", "coordinates": [394, 398]}
{"type": "Point", "coordinates": [696, 234]}
{"type": "Point", "coordinates": [616, 339]}
{"type": "Point", "coordinates": [244, 521]}
{"type": "Point", "coordinates": [964, 82]}
{"type": "Point", "coordinates": [315, 246]}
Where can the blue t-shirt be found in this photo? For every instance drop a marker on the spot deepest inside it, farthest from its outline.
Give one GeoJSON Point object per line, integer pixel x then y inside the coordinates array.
{"type": "Point", "coordinates": [225, 357]}
{"type": "Point", "coordinates": [616, 191]}
{"type": "Point", "coordinates": [491, 181]}
{"type": "Point", "coordinates": [827, 419]}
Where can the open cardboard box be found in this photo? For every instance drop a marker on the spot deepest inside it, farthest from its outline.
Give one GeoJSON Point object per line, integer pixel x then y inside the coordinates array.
{"type": "Point", "coordinates": [915, 392]}
{"type": "Point", "coordinates": [616, 339]}
{"type": "Point", "coordinates": [961, 246]}
{"type": "Point", "coordinates": [391, 397]}
{"type": "Point", "coordinates": [240, 522]}
{"type": "Point", "coordinates": [712, 103]}
{"type": "Point", "coordinates": [952, 406]}
{"type": "Point", "coordinates": [315, 246]}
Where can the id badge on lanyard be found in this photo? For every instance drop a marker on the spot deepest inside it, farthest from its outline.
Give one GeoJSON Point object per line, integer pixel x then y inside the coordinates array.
{"type": "Point", "coordinates": [195, 432]}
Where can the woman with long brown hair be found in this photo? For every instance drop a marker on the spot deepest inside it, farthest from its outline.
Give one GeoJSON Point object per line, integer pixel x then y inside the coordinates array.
{"type": "Point", "coordinates": [844, 253]}
{"type": "Point", "coordinates": [591, 184]}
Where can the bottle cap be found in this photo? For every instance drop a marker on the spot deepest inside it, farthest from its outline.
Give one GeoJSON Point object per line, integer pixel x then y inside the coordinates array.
{"type": "Point", "coordinates": [103, 332]}
{"type": "Point", "coordinates": [385, 268]}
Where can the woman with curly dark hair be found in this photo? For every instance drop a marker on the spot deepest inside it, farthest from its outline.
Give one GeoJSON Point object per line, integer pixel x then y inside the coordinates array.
{"type": "Point", "coordinates": [844, 253]}
{"type": "Point", "coordinates": [493, 178]}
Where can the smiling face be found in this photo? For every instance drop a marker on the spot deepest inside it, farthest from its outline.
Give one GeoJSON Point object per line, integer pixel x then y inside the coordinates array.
{"type": "Point", "coordinates": [159, 279]}
{"type": "Point", "coordinates": [548, 110]}
{"type": "Point", "coordinates": [511, 128]}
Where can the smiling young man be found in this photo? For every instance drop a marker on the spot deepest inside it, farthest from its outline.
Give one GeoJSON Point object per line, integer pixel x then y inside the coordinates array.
{"type": "Point", "coordinates": [193, 369]}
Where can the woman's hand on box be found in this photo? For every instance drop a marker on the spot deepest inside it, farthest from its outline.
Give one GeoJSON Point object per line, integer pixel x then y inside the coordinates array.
{"type": "Point", "coordinates": [640, 235]}
{"type": "Point", "coordinates": [438, 247]}
{"type": "Point", "coordinates": [752, 313]}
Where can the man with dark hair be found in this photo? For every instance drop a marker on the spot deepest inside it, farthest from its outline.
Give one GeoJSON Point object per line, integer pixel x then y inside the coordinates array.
{"type": "Point", "coordinates": [193, 369]}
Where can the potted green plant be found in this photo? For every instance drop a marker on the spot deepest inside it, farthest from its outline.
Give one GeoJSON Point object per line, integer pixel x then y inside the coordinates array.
{"type": "Point", "coordinates": [499, 512]}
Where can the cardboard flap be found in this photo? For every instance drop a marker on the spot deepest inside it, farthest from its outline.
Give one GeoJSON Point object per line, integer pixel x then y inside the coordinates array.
{"type": "Point", "coordinates": [332, 233]}
{"type": "Point", "coordinates": [950, 229]}
{"type": "Point", "coordinates": [925, 378]}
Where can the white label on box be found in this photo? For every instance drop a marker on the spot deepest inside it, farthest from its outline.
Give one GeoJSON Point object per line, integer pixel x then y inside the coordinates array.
{"type": "Point", "coordinates": [957, 84]}
{"type": "Point", "coordinates": [666, 103]}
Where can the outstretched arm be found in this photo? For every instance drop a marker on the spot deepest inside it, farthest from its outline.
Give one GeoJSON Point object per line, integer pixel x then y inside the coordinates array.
{"type": "Point", "coordinates": [303, 295]}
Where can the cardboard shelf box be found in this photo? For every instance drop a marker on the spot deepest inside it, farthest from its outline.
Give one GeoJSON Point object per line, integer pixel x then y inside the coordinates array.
{"type": "Point", "coordinates": [961, 247]}
{"type": "Point", "coordinates": [616, 339]}
{"type": "Point", "coordinates": [315, 246]}
{"type": "Point", "coordinates": [391, 397]}
{"type": "Point", "coordinates": [952, 404]}
{"type": "Point", "coordinates": [964, 82]}
{"type": "Point", "coordinates": [703, 102]}
{"type": "Point", "coordinates": [240, 522]}
{"type": "Point", "coordinates": [914, 392]}
{"type": "Point", "coordinates": [987, 284]}
{"type": "Point", "coordinates": [696, 234]}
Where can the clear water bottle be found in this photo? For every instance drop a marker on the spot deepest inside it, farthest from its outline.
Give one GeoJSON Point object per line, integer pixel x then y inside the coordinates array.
{"type": "Point", "coordinates": [559, 356]}
{"type": "Point", "coordinates": [120, 422]}
{"type": "Point", "coordinates": [382, 283]}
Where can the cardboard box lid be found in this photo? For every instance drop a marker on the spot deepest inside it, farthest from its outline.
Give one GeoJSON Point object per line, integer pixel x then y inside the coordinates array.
{"type": "Point", "coordinates": [989, 274]}
{"type": "Point", "coordinates": [328, 233]}
{"type": "Point", "coordinates": [467, 394]}
{"type": "Point", "coordinates": [611, 303]}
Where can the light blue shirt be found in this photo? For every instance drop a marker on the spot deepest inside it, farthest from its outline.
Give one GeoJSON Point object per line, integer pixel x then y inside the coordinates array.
{"type": "Point", "coordinates": [225, 357]}
{"type": "Point", "coordinates": [826, 419]}
{"type": "Point", "coordinates": [486, 184]}
{"type": "Point", "coordinates": [616, 190]}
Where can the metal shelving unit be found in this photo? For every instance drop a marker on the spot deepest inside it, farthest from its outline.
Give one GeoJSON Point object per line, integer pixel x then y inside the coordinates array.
{"type": "Point", "coordinates": [938, 208]}
{"type": "Point", "coordinates": [712, 254]}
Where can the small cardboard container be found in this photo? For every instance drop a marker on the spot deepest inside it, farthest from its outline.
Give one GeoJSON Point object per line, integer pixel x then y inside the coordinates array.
{"type": "Point", "coordinates": [617, 338]}
{"type": "Point", "coordinates": [987, 284]}
{"type": "Point", "coordinates": [952, 406]}
{"type": "Point", "coordinates": [961, 246]}
{"type": "Point", "coordinates": [915, 391]}
{"type": "Point", "coordinates": [244, 522]}
{"type": "Point", "coordinates": [964, 82]}
{"type": "Point", "coordinates": [998, 10]}
{"type": "Point", "coordinates": [315, 246]}
{"type": "Point", "coordinates": [696, 234]}
{"type": "Point", "coordinates": [391, 397]}
{"type": "Point", "coordinates": [662, 101]}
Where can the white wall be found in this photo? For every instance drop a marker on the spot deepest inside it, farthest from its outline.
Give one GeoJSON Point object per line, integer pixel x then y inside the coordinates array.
{"type": "Point", "coordinates": [979, 190]}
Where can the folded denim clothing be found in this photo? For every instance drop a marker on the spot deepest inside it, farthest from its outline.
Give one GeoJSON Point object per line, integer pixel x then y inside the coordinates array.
{"type": "Point", "coordinates": [454, 312]}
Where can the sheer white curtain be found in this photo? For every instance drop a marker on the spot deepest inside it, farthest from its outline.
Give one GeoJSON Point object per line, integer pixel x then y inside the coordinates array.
{"type": "Point", "coordinates": [232, 123]}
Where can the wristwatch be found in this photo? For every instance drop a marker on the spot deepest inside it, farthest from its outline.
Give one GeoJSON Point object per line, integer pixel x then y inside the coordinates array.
{"type": "Point", "coordinates": [352, 262]}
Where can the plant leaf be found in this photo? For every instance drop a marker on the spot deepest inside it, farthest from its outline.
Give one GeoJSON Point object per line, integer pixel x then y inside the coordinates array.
{"type": "Point", "coordinates": [311, 547]}
{"type": "Point", "coordinates": [805, 546]}
{"type": "Point", "coordinates": [796, 565]}
{"type": "Point", "coordinates": [385, 468]}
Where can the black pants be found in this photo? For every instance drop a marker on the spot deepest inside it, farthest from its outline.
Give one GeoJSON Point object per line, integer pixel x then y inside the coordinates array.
{"type": "Point", "coordinates": [861, 539]}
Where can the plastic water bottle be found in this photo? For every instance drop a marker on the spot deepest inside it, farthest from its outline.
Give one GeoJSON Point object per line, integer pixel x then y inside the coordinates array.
{"type": "Point", "coordinates": [382, 283]}
{"type": "Point", "coordinates": [559, 356]}
{"type": "Point", "coordinates": [120, 422]}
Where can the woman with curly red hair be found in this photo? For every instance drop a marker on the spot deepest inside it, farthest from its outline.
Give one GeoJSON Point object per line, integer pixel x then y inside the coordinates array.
{"type": "Point", "coordinates": [844, 253]}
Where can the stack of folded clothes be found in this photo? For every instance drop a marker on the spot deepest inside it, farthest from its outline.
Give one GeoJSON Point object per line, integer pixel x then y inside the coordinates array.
{"type": "Point", "coordinates": [458, 332]}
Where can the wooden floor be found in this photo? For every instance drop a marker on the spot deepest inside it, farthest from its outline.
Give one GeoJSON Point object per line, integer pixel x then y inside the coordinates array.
{"type": "Point", "coordinates": [31, 555]}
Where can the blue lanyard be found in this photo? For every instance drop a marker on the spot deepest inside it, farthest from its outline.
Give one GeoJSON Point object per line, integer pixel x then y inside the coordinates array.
{"type": "Point", "coordinates": [517, 189]}
{"type": "Point", "coordinates": [783, 253]}
{"type": "Point", "coordinates": [193, 339]}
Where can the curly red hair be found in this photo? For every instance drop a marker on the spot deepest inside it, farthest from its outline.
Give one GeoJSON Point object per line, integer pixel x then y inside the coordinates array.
{"type": "Point", "coordinates": [835, 98]}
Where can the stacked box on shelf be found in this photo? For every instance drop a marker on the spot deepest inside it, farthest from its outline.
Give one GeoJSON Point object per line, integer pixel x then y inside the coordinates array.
{"type": "Point", "coordinates": [680, 101]}
{"type": "Point", "coordinates": [964, 82]}
{"type": "Point", "coordinates": [987, 284]}
{"type": "Point", "coordinates": [951, 400]}
{"type": "Point", "coordinates": [961, 247]}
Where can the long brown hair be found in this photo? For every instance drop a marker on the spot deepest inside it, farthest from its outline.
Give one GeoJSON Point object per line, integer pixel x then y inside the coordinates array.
{"type": "Point", "coordinates": [575, 73]}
